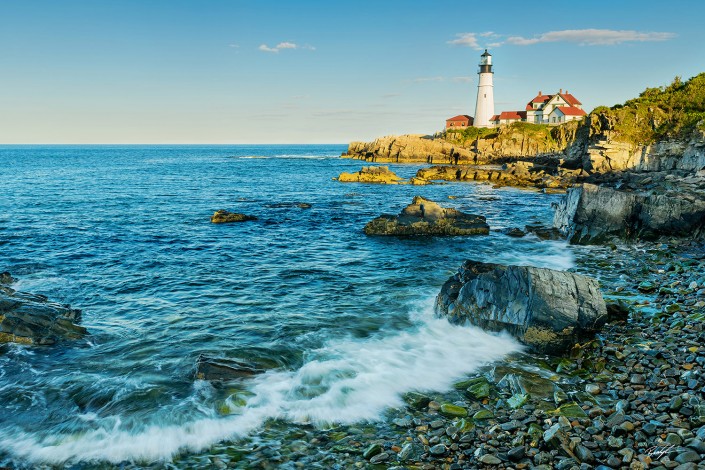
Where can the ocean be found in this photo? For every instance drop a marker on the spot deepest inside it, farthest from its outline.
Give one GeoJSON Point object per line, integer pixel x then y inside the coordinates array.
{"type": "Point", "coordinates": [342, 322]}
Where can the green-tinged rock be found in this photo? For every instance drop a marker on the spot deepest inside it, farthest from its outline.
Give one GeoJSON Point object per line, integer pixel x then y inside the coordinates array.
{"type": "Point", "coordinates": [417, 400]}
{"type": "Point", "coordinates": [371, 451]}
{"type": "Point", "coordinates": [569, 410]}
{"type": "Point", "coordinates": [536, 433]}
{"type": "Point", "coordinates": [484, 413]}
{"type": "Point", "coordinates": [673, 308]}
{"type": "Point", "coordinates": [559, 396]}
{"type": "Point", "coordinates": [453, 411]}
{"type": "Point", "coordinates": [646, 286]}
{"type": "Point", "coordinates": [517, 401]}
{"type": "Point", "coordinates": [464, 425]}
{"type": "Point", "coordinates": [555, 437]}
{"type": "Point", "coordinates": [480, 389]}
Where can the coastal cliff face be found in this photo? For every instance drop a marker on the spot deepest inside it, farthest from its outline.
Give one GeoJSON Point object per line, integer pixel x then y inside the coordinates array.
{"type": "Point", "coordinates": [600, 148]}
{"type": "Point", "coordinates": [471, 146]}
{"type": "Point", "coordinates": [412, 148]}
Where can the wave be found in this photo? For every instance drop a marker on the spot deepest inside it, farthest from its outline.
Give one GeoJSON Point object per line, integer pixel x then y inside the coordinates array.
{"type": "Point", "coordinates": [345, 381]}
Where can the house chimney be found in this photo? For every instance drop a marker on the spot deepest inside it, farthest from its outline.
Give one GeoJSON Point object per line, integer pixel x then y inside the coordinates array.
{"type": "Point", "coordinates": [560, 91]}
{"type": "Point", "coordinates": [540, 93]}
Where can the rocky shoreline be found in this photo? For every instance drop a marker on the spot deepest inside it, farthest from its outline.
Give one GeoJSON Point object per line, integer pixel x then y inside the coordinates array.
{"type": "Point", "coordinates": [632, 398]}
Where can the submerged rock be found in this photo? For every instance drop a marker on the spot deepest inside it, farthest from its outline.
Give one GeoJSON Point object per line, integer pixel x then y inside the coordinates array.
{"type": "Point", "coordinates": [33, 319]}
{"type": "Point", "coordinates": [371, 174]}
{"type": "Point", "coordinates": [545, 309]}
{"type": "Point", "coordinates": [591, 214]}
{"type": "Point", "coordinates": [425, 217]}
{"type": "Point", "coordinates": [223, 217]}
{"type": "Point", "coordinates": [224, 370]}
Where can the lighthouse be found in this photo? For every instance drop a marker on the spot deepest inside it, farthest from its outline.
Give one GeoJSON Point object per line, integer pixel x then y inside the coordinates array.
{"type": "Point", "coordinates": [484, 106]}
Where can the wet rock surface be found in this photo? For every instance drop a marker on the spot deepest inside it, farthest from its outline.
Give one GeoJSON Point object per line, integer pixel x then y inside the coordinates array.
{"type": "Point", "coordinates": [545, 309]}
{"type": "Point", "coordinates": [225, 217]}
{"type": "Point", "coordinates": [33, 319]}
{"type": "Point", "coordinates": [425, 217]}
{"type": "Point", "coordinates": [224, 369]}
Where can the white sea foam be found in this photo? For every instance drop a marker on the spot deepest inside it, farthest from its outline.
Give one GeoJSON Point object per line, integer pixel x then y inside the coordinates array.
{"type": "Point", "coordinates": [343, 382]}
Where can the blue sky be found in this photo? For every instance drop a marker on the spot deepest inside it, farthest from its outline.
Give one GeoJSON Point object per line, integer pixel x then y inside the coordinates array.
{"type": "Point", "coordinates": [175, 71]}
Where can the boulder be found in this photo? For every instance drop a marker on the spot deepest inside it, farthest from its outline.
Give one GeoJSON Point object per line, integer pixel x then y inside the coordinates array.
{"type": "Point", "coordinates": [425, 217]}
{"type": "Point", "coordinates": [224, 217]}
{"type": "Point", "coordinates": [371, 174]}
{"type": "Point", "coordinates": [591, 214]}
{"type": "Point", "coordinates": [33, 319]}
{"type": "Point", "coordinates": [224, 370]}
{"type": "Point", "coordinates": [547, 310]}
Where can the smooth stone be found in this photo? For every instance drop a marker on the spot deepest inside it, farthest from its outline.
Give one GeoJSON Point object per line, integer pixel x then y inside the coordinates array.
{"type": "Point", "coordinates": [371, 451]}
{"type": "Point", "coordinates": [489, 459]}
{"type": "Point", "coordinates": [453, 411]}
{"type": "Point", "coordinates": [438, 449]}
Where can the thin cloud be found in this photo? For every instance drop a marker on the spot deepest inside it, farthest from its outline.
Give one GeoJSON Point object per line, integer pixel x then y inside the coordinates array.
{"type": "Point", "coordinates": [583, 37]}
{"type": "Point", "coordinates": [428, 79]}
{"type": "Point", "coordinates": [283, 46]}
{"type": "Point", "coordinates": [462, 79]}
{"type": "Point", "coordinates": [234, 46]}
{"type": "Point", "coordinates": [467, 40]}
{"type": "Point", "coordinates": [591, 37]}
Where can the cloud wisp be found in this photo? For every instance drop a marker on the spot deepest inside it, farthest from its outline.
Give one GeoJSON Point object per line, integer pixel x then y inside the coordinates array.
{"type": "Point", "coordinates": [592, 37]}
{"type": "Point", "coordinates": [582, 37]}
{"type": "Point", "coordinates": [283, 46]}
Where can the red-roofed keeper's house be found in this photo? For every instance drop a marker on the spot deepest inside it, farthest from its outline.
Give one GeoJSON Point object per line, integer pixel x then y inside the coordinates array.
{"type": "Point", "coordinates": [540, 110]}
{"type": "Point", "coordinates": [459, 122]}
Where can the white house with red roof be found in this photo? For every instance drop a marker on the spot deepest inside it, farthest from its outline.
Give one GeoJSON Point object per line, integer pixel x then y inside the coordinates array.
{"type": "Point", "coordinates": [554, 109]}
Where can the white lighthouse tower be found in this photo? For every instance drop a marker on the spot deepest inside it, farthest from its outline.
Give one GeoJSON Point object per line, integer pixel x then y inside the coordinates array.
{"type": "Point", "coordinates": [484, 106]}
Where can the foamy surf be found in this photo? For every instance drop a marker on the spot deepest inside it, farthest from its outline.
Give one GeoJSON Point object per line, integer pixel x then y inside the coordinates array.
{"type": "Point", "coordinates": [346, 381]}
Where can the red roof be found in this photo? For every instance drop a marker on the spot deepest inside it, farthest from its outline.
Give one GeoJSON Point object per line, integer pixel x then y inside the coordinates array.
{"type": "Point", "coordinates": [512, 115]}
{"type": "Point", "coordinates": [541, 98]}
{"type": "Point", "coordinates": [461, 117]}
{"type": "Point", "coordinates": [495, 117]}
{"type": "Point", "coordinates": [571, 111]}
{"type": "Point", "coordinates": [570, 99]}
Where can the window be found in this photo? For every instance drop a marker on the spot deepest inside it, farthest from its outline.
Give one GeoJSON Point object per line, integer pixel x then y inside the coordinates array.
{"type": "Point", "coordinates": [554, 119]}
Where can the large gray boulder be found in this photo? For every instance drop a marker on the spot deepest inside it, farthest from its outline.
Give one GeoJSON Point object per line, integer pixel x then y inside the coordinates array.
{"type": "Point", "coordinates": [425, 217]}
{"type": "Point", "coordinates": [33, 319]}
{"type": "Point", "coordinates": [590, 214]}
{"type": "Point", "coordinates": [547, 310]}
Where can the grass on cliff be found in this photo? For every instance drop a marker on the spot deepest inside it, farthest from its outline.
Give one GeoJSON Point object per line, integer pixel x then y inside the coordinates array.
{"type": "Point", "coordinates": [669, 112]}
{"type": "Point", "coordinates": [471, 134]}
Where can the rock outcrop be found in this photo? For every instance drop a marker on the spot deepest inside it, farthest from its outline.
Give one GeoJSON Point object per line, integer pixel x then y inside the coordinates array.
{"type": "Point", "coordinates": [655, 205]}
{"type": "Point", "coordinates": [371, 174]}
{"type": "Point", "coordinates": [33, 319]}
{"type": "Point", "coordinates": [547, 310]}
{"type": "Point", "coordinates": [425, 217]}
{"type": "Point", "coordinates": [224, 217]}
{"type": "Point", "coordinates": [518, 174]}
{"type": "Point", "coordinates": [410, 149]}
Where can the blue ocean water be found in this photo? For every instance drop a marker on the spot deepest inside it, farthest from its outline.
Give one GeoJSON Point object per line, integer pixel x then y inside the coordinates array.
{"type": "Point", "coordinates": [342, 321]}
